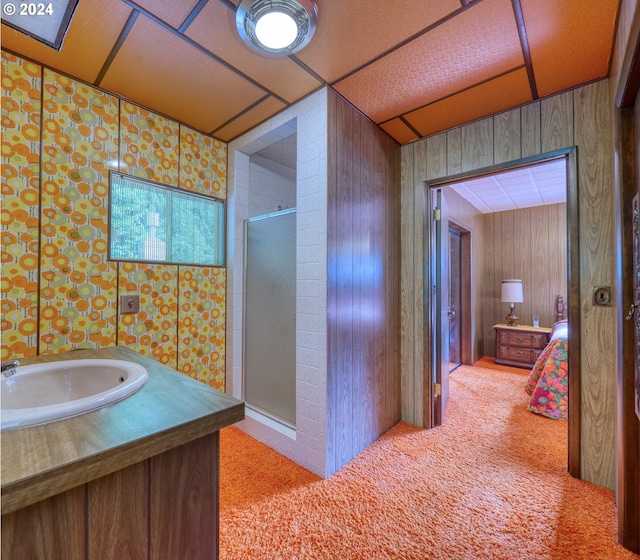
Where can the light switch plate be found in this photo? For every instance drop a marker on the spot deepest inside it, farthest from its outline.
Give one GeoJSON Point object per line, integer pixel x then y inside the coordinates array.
{"type": "Point", "coordinates": [129, 304]}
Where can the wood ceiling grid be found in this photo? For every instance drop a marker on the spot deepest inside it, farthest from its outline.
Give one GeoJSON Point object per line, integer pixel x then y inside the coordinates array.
{"type": "Point", "coordinates": [189, 21]}
{"type": "Point", "coordinates": [182, 28]}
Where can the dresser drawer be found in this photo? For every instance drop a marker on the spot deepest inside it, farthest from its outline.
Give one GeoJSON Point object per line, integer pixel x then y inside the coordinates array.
{"type": "Point", "coordinates": [522, 355]}
{"type": "Point", "coordinates": [523, 340]}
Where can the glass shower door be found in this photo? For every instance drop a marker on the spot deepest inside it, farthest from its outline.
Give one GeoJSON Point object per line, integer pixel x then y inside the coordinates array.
{"type": "Point", "coordinates": [270, 308]}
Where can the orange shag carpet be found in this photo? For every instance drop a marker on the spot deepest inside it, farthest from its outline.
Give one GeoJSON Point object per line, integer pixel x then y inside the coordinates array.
{"type": "Point", "coordinates": [490, 483]}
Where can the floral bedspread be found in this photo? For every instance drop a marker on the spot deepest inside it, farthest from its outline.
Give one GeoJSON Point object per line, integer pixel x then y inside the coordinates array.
{"type": "Point", "coordinates": [548, 382]}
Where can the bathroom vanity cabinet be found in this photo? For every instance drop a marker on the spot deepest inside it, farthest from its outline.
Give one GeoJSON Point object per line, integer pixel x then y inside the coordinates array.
{"type": "Point", "coordinates": [138, 479]}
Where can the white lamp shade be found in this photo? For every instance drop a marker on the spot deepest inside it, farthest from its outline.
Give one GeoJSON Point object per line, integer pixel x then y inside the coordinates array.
{"type": "Point", "coordinates": [512, 291]}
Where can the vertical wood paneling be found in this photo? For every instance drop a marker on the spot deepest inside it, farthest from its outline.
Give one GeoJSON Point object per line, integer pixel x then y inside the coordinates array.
{"type": "Point", "coordinates": [332, 284]}
{"type": "Point", "coordinates": [477, 144]}
{"type": "Point", "coordinates": [558, 222]}
{"type": "Point", "coordinates": [363, 375]}
{"type": "Point", "coordinates": [529, 244]}
{"type": "Point", "coordinates": [506, 136]}
{"type": "Point", "coordinates": [546, 126]}
{"type": "Point", "coordinates": [454, 151]}
{"type": "Point", "coordinates": [117, 515]}
{"type": "Point", "coordinates": [530, 129]}
{"type": "Point", "coordinates": [423, 398]}
{"type": "Point", "coordinates": [372, 295]}
{"type": "Point", "coordinates": [543, 291]}
{"type": "Point", "coordinates": [409, 378]}
{"type": "Point", "coordinates": [362, 238]}
{"type": "Point", "coordinates": [592, 126]}
{"type": "Point", "coordinates": [436, 156]}
{"type": "Point", "coordinates": [163, 507]}
{"type": "Point", "coordinates": [184, 521]}
{"type": "Point", "coordinates": [343, 252]}
{"type": "Point", "coordinates": [556, 116]}
{"type": "Point", "coordinates": [54, 529]}
{"type": "Point", "coordinates": [392, 284]}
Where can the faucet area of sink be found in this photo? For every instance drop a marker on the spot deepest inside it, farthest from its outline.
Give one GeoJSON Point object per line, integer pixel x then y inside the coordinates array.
{"type": "Point", "coordinates": [45, 392]}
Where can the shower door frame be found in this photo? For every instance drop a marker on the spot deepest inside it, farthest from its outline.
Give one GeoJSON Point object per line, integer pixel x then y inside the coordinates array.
{"type": "Point", "coordinates": [263, 412]}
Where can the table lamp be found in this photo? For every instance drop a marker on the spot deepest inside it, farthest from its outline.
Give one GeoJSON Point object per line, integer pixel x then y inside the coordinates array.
{"type": "Point", "coordinates": [512, 294]}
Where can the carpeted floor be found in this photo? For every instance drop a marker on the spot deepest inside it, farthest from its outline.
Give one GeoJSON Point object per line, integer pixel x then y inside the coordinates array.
{"type": "Point", "coordinates": [490, 483]}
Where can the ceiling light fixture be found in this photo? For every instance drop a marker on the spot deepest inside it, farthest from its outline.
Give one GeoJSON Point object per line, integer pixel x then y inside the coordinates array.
{"type": "Point", "coordinates": [46, 22]}
{"type": "Point", "coordinates": [276, 27]}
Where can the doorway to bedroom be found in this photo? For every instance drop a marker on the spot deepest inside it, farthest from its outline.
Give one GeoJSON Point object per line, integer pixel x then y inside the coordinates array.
{"type": "Point", "coordinates": [517, 218]}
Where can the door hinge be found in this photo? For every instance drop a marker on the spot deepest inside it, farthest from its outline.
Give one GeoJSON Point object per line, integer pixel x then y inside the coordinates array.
{"type": "Point", "coordinates": [437, 214]}
{"type": "Point", "coordinates": [437, 389]}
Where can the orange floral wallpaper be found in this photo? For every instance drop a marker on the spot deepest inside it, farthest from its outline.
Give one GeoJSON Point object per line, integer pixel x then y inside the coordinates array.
{"type": "Point", "coordinates": [153, 330]}
{"type": "Point", "coordinates": [77, 283]}
{"type": "Point", "coordinates": [204, 167]}
{"type": "Point", "coordinates": [149, 145]}
{"type": "Point", "coordinates": [59, 291]}
{"type": "Point", "coordinates": [202, 313]}
{"type": "Point", "coordinates": [21, 109]}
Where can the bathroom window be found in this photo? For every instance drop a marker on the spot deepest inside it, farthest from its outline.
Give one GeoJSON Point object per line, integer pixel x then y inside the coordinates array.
{"type": "Point", "coordinates": [149, 222]}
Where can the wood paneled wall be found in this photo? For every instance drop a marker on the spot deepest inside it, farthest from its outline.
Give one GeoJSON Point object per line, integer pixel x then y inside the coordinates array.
{"type": "Point", "coordinates": [363, 297]}
{"type": "Point", "coordinates": [530, 244]}
{"type": "Point", "coordinates": [575, 118]}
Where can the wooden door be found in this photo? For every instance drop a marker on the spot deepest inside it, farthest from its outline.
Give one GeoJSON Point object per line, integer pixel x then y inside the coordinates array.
{"type": "Point", "coordinates": [441, 308]}
{"type": "Point", "coordinates": [628, 445]}
{"type": "Point", "coordinates": [455, 298]}
{"type": "Point", "coordinates": [634, 312]}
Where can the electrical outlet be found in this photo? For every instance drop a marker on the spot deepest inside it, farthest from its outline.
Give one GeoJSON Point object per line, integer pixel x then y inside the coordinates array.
{"type": "Point", "coordinates": [129, 304]}
{"type": "Point", "coordinates": [602, 296]}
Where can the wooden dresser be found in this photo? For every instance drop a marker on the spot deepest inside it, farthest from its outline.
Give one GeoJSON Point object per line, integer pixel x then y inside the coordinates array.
{"type": "Point", "coordinates": [520, 346]}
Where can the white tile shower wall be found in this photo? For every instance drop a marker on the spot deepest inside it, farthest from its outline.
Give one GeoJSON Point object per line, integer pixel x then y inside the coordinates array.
{"type": "Point", "coordinates": [272, 186]}
{"type": "Point", "coordinates": [308, 448]}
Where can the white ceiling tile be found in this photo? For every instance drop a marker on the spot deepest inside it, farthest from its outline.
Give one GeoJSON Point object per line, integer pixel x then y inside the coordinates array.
{"type": "Point", "coordinates": [539, 184]}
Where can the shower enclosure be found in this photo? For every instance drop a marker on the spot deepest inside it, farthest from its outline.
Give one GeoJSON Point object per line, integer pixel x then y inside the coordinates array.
{"type": "Point", "coordinates": [270, 315]}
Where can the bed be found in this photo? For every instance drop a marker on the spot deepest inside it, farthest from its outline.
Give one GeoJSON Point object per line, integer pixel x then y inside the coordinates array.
{"type": "Point", "coordinates": [548, 382]}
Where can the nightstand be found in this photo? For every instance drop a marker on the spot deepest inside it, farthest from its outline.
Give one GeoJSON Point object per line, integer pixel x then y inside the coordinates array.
{"type": "Point", "coordinates": [520, 346]}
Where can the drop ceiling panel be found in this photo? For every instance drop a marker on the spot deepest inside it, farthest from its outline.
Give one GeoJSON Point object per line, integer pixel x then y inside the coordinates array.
{"type": "Point", "coordinates": [214, 29]}
{"type": "Point", "coordinates": [97, 23]}
{"type": "Point", "coordinates": [158, 70]}
{"type": "Point", "coordinates": [351, 33]}
{"type": "Point", "coordinates": [485, 99]}
{"type": "Point", "coordinates": [253, 117]}
{"type": "Point", "coordinates": [570, 41]}
{"type": "Point", "coordinates": [518, 188]}
{"type": "Point", "coordinates": [170, 11]}
{"type": "Point", "coordinates": [407, 64]}
{"type": "Point", "coordinates": [480, 43]}
{"type": "Point", "coordinates": [399, 131]}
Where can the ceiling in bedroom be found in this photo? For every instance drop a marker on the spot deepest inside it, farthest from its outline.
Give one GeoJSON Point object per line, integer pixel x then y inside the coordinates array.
{"type": "Point", "coordinates": [414, 67]}
{"type": "Point", "coordinates": [524, 187]}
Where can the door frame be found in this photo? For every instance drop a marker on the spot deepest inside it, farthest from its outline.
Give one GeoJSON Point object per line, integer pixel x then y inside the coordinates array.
{"type": "Point", "coordinates": [573, 284]}
{"type": "Point", "coordinates": [439, 225]}
{"type": "Point", "coordinates": [627, 176]}
{"type": "Point", "coordinates": [466, 345]}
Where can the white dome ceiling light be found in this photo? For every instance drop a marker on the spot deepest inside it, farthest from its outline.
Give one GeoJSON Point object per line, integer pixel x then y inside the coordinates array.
{"type": "Point", "coordinates": [276, 27]}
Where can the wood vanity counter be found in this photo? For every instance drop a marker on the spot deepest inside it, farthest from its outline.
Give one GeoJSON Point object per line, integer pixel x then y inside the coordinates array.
{"type": "Point", "coordinates": [143, 470]}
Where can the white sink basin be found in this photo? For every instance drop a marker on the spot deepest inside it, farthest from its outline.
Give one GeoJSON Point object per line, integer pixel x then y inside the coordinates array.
{"type": "Point", "coordinates": [41, 393]}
